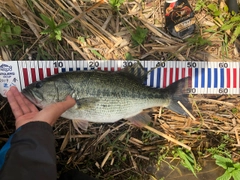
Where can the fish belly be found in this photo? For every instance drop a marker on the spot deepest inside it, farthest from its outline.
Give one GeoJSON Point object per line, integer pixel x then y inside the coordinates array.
{"type": "Point", "coordinates": [108, 110]}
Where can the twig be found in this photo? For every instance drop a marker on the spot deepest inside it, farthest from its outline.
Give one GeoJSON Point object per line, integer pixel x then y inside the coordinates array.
{"type": "Point", "coordinates": [213, 101]}
{"type": "Point", "coordinates": [106, 158]}
{"type": "Point", "coordinates": [88, 10]}
{"type": "Point", "coordinates": [167, 137]}
{"type": "Point", "coordinates": [237, 137]}
{"type": "Point", "coordinates": [185, 109]}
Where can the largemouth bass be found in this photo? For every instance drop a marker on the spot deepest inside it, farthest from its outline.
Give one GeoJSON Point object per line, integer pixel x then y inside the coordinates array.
{"type": "Point", "coordinates": [106, 97]}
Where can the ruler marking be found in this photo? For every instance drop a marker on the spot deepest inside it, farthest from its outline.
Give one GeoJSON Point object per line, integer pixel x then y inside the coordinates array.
{"type": "Point", "coordinates": [152, 78]}
{"type": "Point", "coordinates": [108, 64]}
{"type": "Point", "coordinates": [21, 74]}
{"type": "Point", "coordinates": [171, 76]}
{"type": "Point", "coordinates": [173, 71]}
{"type": "Point", "coordinates": [41, 73]}
{"type": "Point", "coordinates": [146, 80]}
{"type": "Point", "coordinates": [164, 77]}
{"type": "Point", "coordinates": [234, 77]}
{"type": "Point", "coordinates": [48, 71]}
{"type": "Point", "coordinates": [209, 78]}
{"type": "Point", "coordinates": [215, 78]}
{"type": "Point", "coordinates": [112, 69]}
{"type": "Point", "coordinates": [158, 77]}
{"type": "Point", "coordinates": [222, 77]}
{"type": "Point", "coordinates": [55, 70]}
{"type": "Point", "coordinates": [190, 72]}
{"type": "Point", "coordinates": [147, 68]}
{"type": "Point", "coordinates": [33, 75]}
{"type": "Point", "coordinates": [203, 77]}
{"type": "Point", "coordinates": [183, 72]}
{"type": "Point", "coordinates": [228, 78]}
{"type": "Point", "coordinates": [196, 78]}
{"type": "Point", "coordinates": [25, 76]}
{"type": "Point", "coordinates": [177, 74]}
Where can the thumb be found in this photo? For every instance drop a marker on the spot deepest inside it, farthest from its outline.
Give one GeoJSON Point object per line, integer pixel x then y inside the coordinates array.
{"type": "Point", "coordinates": [50, 113]}
{"type": "Point", "coordinates": [68, 103]}
{"type": "Point", "coordinates": [60, 107]}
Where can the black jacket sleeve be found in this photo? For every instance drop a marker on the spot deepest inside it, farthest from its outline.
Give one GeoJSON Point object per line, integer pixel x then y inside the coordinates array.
{"type": "Point", "coordinates": [29, 154]}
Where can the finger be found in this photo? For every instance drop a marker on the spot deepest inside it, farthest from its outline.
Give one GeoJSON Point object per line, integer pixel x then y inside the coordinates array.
{"type": "Point", "coordinates": [11, 96]}
{"type": "Point", "coordinates": [29, 104]}
{"type": "Point", "coordinates": [20, 100]}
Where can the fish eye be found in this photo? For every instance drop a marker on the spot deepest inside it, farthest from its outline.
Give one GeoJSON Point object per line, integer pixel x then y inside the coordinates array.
{"type": "Point", "coordinates": [39, 84]}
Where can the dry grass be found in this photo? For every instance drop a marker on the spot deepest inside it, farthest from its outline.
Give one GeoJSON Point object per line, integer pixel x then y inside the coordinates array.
{"type": "Point", "coordinates": [96, 31]}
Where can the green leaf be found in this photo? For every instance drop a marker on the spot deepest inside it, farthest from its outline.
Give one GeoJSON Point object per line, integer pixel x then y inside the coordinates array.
{"type": "Point", "coordinates": [97, 54]}
{"type": "Point", "coordinates": [199, 5]}
{"type": "Point", "coordinates": [225, 8]}
{"type": "Point", "coordinates": [61, 26]}
{"type": "Point", "coordinates": [213, 7]}
{"type": "Point", "coordinates": [235, 19]}
{"type": "Point", "coordinates": [128, 56]}
{"type": "Point", "coordinates": [8, 31]}
{"type": "Point", "coordinates": [139, 35]}
{"type": "Point", "coordinates": [1, 21]}
{"type": "Point", "coordinates": [116, 3]}
{"type": "Point", "coordinates": [230, 169]}
{"type": "Point", "coordinates": [81, 39]}
{"type": "Point", "coordinates": [236, 174]}
{"type": "Point", "coordinates": [187, 160]}
{"type": "Point", "coordinates": [9, 42]}
{"type": "Point", "coordinates": [237, 166]}
{"type": "Point", "coordinates": [217, 13]}
{"type": "Point", "coordinates": [4, 36]}
{"type": "Point", "coordinates": [225, 176]}
{"type": "Point", "coordinates": [47, 31]}
{"type": "Point", "coordinates": [236, 33]}
{"type": "Point", "coordinates": [58, 35]}
{"type": "Point", "coordinates": [17, 30]}
{"type": "Point", "coordinates": [227, 26]}
{"type": "Point", "coordinates": [222, 161]}
{"type": "Point", "coordinates": [49, 21]}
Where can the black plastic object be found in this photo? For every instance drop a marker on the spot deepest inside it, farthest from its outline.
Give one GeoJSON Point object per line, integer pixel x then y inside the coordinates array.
{"type": "Point", "coordinates": [179, 18]}
{"type": "Point", "coordinates": [232, 5]}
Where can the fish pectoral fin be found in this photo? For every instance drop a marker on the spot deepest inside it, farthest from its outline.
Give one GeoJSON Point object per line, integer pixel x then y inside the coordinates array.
{"type": "Point", "coordinates": [140, 120]}
{"type": "Point", "coordinates": [86, 102]}
{"type": "Point", "coordinates": [77, 123]}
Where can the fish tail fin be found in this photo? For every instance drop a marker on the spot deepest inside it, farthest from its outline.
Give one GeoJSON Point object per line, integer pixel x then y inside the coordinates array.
{"type": "Point", "coordinates": [179, 92]}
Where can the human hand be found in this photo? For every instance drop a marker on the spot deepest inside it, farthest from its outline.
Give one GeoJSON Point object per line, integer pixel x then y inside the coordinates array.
{"type": "Point", "coordinates": [25, 111]}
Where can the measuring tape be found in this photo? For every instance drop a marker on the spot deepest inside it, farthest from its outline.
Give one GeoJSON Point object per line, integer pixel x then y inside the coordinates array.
{"type": "Point", "coordinates": [207, 77]}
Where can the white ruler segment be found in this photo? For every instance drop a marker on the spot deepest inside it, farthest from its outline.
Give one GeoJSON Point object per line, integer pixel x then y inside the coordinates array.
{"type": "Point", "coordinates": [207, 77]}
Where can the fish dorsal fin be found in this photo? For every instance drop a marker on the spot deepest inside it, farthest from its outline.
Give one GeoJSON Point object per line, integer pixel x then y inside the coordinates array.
{"type": "Point", "coordinates": [136, 70]}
